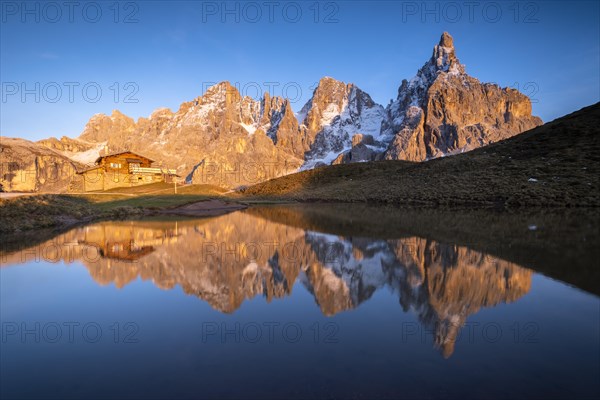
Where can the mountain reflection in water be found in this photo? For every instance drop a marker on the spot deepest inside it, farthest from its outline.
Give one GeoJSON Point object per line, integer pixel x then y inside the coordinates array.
{"type": "Point", "coordinates": [231, 258]}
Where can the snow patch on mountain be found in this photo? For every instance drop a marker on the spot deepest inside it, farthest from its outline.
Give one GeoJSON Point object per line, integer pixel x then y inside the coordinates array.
{"type": "Point", "coordinates": [250, 128]}
{"type": "Point", "coordinates": [87, 157]}
{"type": "Point", "coordinates": [349, 111]}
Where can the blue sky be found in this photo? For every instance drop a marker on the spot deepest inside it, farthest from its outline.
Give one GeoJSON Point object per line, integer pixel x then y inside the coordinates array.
{"type": "Point", "coordinates": [162, 53]}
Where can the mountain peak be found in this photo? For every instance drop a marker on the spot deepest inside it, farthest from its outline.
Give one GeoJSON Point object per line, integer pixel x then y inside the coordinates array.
{"type": "Point", "coordinates": [444, 57]}
{"type": "Point", "coordinates": [328, 81]}
{"type": "Point", "coordinates": [220, 87]}
{"type": "Point", "coordinates": [327, 78]}
{"type": "Point", "coordinates": [442, 110]}
{"type": "Point", "coordinates": [220, 92]}
{"type": "Point", "coordinates": [446, 40]}
{"type": "Point", "coordinates": [328, 89]}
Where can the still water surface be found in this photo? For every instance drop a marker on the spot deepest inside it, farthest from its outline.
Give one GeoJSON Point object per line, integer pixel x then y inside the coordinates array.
{"type": "Point", "coordinates": [273, 302]}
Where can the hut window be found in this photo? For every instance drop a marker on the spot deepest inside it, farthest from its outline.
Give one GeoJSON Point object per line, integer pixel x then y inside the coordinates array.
{"type": "Point", "coordinates": [115, 165]}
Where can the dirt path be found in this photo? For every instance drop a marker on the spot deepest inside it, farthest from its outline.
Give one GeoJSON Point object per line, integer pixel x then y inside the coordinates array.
{"type": "Point", "coordinates": [206, 208]}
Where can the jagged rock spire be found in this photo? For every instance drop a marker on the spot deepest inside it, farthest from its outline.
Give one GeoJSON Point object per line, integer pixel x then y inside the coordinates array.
{"type": "Point", "coordinates": [444, 57]}
{"type": "Point", "coordinates": [442, 110]}
{"type": "Point", "coordinates": [446, 40]}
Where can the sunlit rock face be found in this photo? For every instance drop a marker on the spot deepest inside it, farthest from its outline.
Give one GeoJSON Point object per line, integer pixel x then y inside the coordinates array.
{"type": "Point", "coordinates": [30, 167]}
{"type": "Point", "coordinates": [66, 144]}
{"type": "Point", "coordinates": [114, 128]}
{"type": "Point", "coordinates": [225, 139]}
{"type": "Point", "coordinates": [443, 111]}
{"type": "Point", "coordinates": [229, 259]}
{"type": "Point", "coordinates": [219, 138]}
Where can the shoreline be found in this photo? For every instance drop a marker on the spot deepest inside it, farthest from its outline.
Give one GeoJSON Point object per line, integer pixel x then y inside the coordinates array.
{"type": "Point", "coordinates": [547, 240]}
{"type": "Point", "coordinates": [41, 212]}
{"type": "Point", "coordinates": [64, 222]}
{"type": "Point", "coordinates": [22, 215]}
{"type": "Point", "coordinates": [43, 216]}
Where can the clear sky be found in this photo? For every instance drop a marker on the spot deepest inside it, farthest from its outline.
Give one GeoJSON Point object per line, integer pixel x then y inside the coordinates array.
{"type": "Point", "coordinates": [144, 55]}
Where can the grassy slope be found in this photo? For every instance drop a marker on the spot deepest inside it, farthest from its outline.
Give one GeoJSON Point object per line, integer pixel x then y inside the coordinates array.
{"type": "Point", "coordinates": [48, 211]}
{"type": "Point", "coordinates": [562, 155]}
{"type": "Point", "coordinates": [160, 188]}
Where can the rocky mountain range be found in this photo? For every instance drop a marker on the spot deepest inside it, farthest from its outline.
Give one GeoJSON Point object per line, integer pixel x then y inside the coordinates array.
{"type": "Point", "coordinates": [230, 140]}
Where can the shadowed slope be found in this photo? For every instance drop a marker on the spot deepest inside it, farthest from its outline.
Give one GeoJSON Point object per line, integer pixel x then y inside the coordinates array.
{"type": "Point", "coordinates": [552, 165]}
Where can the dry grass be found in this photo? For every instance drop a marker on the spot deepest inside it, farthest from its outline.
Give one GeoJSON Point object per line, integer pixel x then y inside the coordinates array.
{"type": "Point", "coordinates": [164, 188]}
{"type": "Point", "coordinates": [49, 211]}
{"type": "Point", "coordinates": [43, 211]}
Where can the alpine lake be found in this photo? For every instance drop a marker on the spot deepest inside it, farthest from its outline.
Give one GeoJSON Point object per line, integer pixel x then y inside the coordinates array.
{"type": "Point", "coordinates": [306, 301]}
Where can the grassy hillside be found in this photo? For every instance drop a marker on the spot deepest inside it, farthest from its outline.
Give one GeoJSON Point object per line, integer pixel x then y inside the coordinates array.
{"type": "Point", "coordinates": [161, 188]}
{"type": "Point", "coordinates": [556, 164]}
{"type": "Point", "coordinates": [54, 211]}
